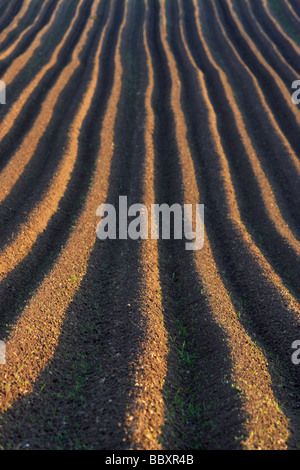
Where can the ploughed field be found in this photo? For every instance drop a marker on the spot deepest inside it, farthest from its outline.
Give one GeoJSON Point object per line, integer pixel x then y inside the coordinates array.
{"type": "Point", "coordinates": [142, 344]}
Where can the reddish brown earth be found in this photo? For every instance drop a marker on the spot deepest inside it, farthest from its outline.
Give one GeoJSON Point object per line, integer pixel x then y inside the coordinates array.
{"type": "Point", "coordinates": [123, 344]}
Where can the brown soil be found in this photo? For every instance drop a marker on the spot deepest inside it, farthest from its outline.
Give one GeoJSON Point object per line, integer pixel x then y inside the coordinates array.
{"type": "Point", "coordinates": [123, 344]}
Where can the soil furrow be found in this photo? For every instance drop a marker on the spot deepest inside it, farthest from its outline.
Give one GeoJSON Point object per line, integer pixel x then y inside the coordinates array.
{"type": "Point", "coordinates": [36, 222]}
{"type": "Point", "coordinates": [214, 291]}
{"type": "Point", "coordinates": [20, 114]}
{"type": "Point", "coordinates": [146, 412]}
{"type": "Point", "coordinates": [3, 7]}
{"type": "Point", "coordinates": [289, 40]}
{"type": "Point", "coordinates": [46, 311]}
{"type": "Point", "coordinates": [45, 157]}
{"type": "Point", "coordinates": [138, 342]}
{"type": "Point", "coordinates": [28, 21]}
{"type": "Point", "coordinates": [267, 311]}
{"type": "Point", "coordinates": [266, 46]}
{"type": "Point", "coordinates": [10, 13]}
{"type": "Point", "coordinates": [289, 17]}
{"type": "Point", "coordinates": [9, 175]}
{"type": "Point", "coordinates": [17, 64]}
{"type": "Point", "coordinates": [295, 6]}
{"type": "Point", "coordinates": [188, 423]}
{"type": "Point", "coordinates": [257, 119]}
{"type": "Point", "coordinates": [26, 37]}
{"type": "Point", "coordinates": [276, 92]}
{"type": "Point", "coordinates": [17, 21]}
{"type": "Point", "coordinates": [258, 202]}
{"type": "Point", "coordinates": [247, 166]}
{"type": "Point", "coordinates": [49, 243]}
{"type": "Point", "coordinates": [116, 338]}
{"type": "Point", "coordinates": [271, 132]}
{"type": "Point", "coordinates": [290, 182]}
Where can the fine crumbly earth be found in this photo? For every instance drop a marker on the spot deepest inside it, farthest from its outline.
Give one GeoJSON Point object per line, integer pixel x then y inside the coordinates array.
{"type": "Point", "coordinates": [142, 344]}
